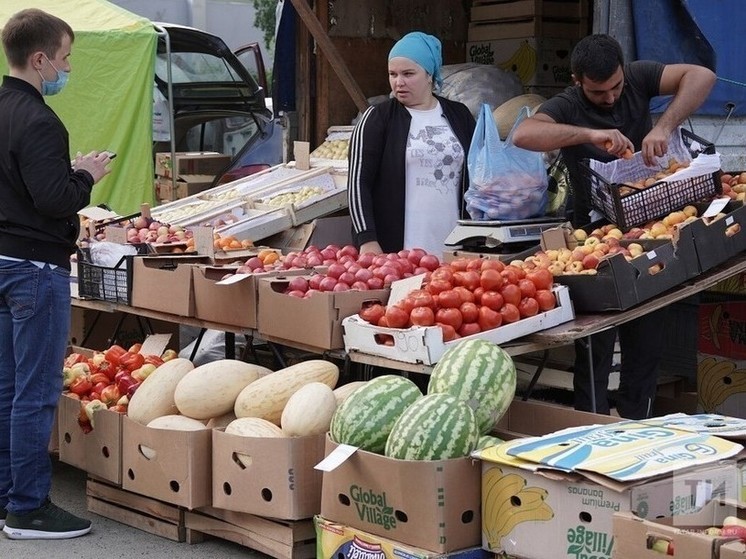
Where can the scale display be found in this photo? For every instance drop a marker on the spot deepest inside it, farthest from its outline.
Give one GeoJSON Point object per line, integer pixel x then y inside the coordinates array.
{"type": "Point", "coordinates": [492, 234]}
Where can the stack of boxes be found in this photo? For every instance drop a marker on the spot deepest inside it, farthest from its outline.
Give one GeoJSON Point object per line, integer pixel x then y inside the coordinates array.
{"type": "Point", "coordinates": [193, 171]}
{"type": "Point", "coordinates": [533, 38]}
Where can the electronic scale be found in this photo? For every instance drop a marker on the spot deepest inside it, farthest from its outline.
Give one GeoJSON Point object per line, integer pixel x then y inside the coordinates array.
{"type": "Point", "coordinates": [495, 234]}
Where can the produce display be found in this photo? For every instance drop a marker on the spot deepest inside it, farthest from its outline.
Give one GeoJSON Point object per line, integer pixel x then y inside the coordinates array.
{"type": "Point", "coordinates": [673, 165]}
{"type": "Point", "coordinates": [332, 149]}
{"type": "Point", "coordinates": [734, 185]}
{"type": "Point", "coordinates": [293, 197]}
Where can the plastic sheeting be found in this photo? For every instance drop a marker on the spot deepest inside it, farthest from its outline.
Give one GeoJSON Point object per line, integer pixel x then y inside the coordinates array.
{"type": "Point", "coordinates": [107, 104]}
{"type": "Point", "coordinates": [696, 31]}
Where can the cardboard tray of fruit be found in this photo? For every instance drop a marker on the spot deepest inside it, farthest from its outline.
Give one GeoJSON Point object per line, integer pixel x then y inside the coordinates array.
{"type": "Point", "coordinates": [424, 344]}
{"type": "Point", "coordinates": [629, 193]}
{"type": "Point", "coordinates": [334, 149]}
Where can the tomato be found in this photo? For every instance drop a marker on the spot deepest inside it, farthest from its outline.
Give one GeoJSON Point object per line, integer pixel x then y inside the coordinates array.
{"type": "Point", "coordinates": [429, 261]}
{"type": "Point", "coordinates": [519, 272]}
{"type": "Point", "coordinates": [450, 316]}
{"type": "Point", "coordinates": [449, 299]}
{"type": "Point", "coordinates": [468, 279]}
{"type": "Point", "coordinates": [466, 295]}
{"type": "Point", "coordinates": [527, 287]}
{"type": "Point", "coordinates": [490, 264]}
{"type": "Point", "coordinates": [436, 286]}
{"type": "Point", "coordinates": [406, 304]}
{"type": "Point", "coordinates": [541, 277]}
{"type": "Point", "coordinates": [491, 280]}
{"type": "Point", "coordinates": [113, 354]}
{"type": "Point", "coordinates": [443, 273]}
{"type": "Point", "coordinates": [132, 361]}
{"type": "Point", "coordinates": [474, 264]}
{"type": "Point", "coordinates": [459, 264]}
{"type": "Point", "coordinates": [422, 298]}
{"type": "Point", "coordinates": [510, 275]}
{"type": "Point", "coordinates": [478, 295]}
{"type": "Point", "coordinates": [383, 322]}
{"type": "Point", "coordinates": [422, 316]}
{"type": "Point", "coordinates": [546, 300]}
{"type": "Point", "coordinates": [469, 329]}
{"type": "Point", "coordinates": [448, 332]}
{"type": "Point", "coordinates": [492, 300]}
{"type": "Point", "coordinates": [511, 293]}
{"type": "Point", "coordinates": [510, 313]}
{"type": "Point", "coordinates": [528, 307]}
{"type": "Point", "coordinates": [396, 316]}
{"type": "Point", "coordinates": [372, 313]}
{"type": "Point", "coordinates": [489, 318]}
{"type": "Point", "coordinates": [469, 312]}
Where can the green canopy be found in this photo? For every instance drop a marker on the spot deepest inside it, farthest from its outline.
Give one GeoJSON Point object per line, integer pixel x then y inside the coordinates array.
{"type": "Point", "coordinates": [108, 101]}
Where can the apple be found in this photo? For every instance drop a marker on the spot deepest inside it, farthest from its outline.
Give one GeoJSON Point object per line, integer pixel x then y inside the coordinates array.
{"type": "Point", "coordinates": [298, 283]}
{"type": "Point", "coordinates": [590, 261]}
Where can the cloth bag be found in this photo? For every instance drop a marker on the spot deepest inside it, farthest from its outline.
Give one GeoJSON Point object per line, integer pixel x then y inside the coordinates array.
{"type": "Point", "coordinates": [506, 182]}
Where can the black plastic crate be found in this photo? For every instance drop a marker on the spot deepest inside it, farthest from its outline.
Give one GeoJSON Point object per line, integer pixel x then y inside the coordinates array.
{"type": "Point", "coordinates": [657, 200]}
{"type": "Point", "coordinates": [104, 283]}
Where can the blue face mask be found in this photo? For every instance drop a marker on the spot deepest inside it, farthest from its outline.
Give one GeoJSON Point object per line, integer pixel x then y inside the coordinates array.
{"type": "Point", "coordinates": [53, 87]}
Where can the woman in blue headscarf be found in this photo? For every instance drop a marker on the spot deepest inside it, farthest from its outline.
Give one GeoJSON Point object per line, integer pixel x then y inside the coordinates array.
{"type": "Point", "coordinates": [407, 162]}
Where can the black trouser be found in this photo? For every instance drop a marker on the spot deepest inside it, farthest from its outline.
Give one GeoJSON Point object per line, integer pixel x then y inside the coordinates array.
{"type": "Point", "coordinates": [641, 343]}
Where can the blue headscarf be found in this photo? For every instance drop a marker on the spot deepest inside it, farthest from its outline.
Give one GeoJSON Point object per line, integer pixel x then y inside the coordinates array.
{"type": "Point", "coordinates": [423, 49]}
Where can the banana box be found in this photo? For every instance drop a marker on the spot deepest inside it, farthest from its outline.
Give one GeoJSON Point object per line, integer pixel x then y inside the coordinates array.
{"type": "Point", "coordinates": [339, 541]}
{"type": "Point", "coordinates": [574, 511]}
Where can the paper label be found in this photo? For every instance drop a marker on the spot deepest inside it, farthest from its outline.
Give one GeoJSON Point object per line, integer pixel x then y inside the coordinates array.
{"type": "Point", "coordinates": [336, 458]}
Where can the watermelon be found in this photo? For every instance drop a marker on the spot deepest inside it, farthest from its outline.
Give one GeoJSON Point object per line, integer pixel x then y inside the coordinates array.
{"type": "Point", "coordinates": [435, 427]}
{"type": "Point", "coordinates": [366, 417]}
{"type": "Point", "coordinates": [486, 441]}
{"type": "Point", "coordinates": [480, 373]}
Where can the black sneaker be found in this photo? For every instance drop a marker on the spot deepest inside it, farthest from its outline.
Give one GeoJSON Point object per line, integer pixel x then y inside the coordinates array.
{"type": "Point", "coordinates": [48, 522]}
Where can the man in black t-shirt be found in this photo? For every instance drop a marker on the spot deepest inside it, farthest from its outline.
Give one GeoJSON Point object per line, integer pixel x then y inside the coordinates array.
{"type": "Point", "coordinates": [609, 106]}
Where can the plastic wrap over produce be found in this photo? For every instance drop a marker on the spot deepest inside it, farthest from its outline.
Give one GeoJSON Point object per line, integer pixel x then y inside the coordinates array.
{"type": "Point", "coordinates": [507, 182]}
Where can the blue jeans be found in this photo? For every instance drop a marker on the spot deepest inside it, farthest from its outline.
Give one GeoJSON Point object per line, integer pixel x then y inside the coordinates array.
{"type": "Point", "coordinates": [34, 327]}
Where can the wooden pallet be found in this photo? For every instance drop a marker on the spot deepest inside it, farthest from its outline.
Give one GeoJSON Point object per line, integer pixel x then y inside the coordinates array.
{"type": "Point", "coordinates": [282, 539]}
{"type": "Point", "coordinates": [143, 513]}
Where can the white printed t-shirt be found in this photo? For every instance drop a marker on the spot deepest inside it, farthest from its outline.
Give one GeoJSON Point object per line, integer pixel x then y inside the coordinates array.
{"type": "Point", "coordinates": [434, 161]}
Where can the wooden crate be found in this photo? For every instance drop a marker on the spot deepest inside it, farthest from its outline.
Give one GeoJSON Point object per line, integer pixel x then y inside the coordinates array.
{"type": "Point", "coordinates": [486, 10]}
{"type": "Point", "coordinates": [144, 513]}
{"type": "Point", "coordinates": [282, 539]}
{"type": "Point", "coordinates": [531, 27]}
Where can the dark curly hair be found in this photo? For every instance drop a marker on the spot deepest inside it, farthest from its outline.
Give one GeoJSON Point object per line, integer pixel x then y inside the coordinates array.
{"type": "Point", "coordinates": [596, 57]}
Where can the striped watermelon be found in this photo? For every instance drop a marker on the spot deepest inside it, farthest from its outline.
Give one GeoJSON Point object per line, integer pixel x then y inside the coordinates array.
{"type": "Point", "coordinates": [435, 427]}
{"type": "Point", "coordinates": [486, 441]}
{"type": "Point", "coordinates": [482, 374]}
{"type": "Point", "coordinates": [366, 417]}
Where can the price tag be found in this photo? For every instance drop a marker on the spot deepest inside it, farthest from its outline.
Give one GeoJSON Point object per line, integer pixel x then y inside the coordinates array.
{"type": "Point", "coordinates": [716, 207]}
{"type": "Point", "coordinates": [336, 458]}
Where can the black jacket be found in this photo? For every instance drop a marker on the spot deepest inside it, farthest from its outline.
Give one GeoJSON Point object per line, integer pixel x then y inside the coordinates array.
{"type": "Point", "coordinates": [40, 194]}
{"type": "Point", "coordinates": [376, 179]}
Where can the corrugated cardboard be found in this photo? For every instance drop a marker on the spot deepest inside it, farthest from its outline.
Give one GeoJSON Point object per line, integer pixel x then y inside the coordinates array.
{"type": "Point", "coordinates": [164, 284]}
{"type": "Point", "coordinates": [280, 482]}
{"type": "Point", "coordinates": [180, 473]}
{"type": "Point", "coordinates": [190, 163]}
{"type": "Point", "coordinates": [434, 505]}
{"type": "Point", "coordinates": [714, 243]}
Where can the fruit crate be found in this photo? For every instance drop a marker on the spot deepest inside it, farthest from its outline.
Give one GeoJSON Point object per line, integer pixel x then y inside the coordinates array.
{"type": "Point", "coordinates": [659, 199]}
{"type": "Point", "coordinates": [113, 284]}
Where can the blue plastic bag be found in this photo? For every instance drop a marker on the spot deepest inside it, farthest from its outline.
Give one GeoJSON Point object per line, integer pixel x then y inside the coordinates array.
{"type": "Point", "coordinates": [506, 182]}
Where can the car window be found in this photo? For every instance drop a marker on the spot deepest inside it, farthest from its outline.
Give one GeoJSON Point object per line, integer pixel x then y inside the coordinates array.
{"type": "Point", "coordinates": [225, 135]}
{"type": "Point", "coordinates": [194, 67]}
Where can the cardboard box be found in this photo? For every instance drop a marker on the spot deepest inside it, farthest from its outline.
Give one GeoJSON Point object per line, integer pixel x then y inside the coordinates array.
{"type": "Point", "coordinates": [537, 61]}
{"type": "Point", "coordinates": [314, 322]}
{"type": "Point", "coordinates": [338, 541]}
{"type": "Point", "coordinates": [572, 507]}
{"type": "Point", "coordinates": [98, 452]}
{"type": "Point", "coordinates": [186, 185]}
{"type": "Point", "coordinates": [99, 329]}
{"type": "Point", "coordinates": [190, 163]}
{"type": "Point", "coordinates": [528, 27]}
{"type": "Point", "coordinates": [178, 468]}
{"type": "Point", "coordinates": [424, 344]}
{"type": "Point", "coordinates": [634, 536]}
{"type": "Point", "coordinates": [434, 504]}
{"type": "Point", "coordinates": [720, 240]}
{"type": "Point", "coordinates": [280, 481]}
{"type": "Point", "coordinates": [163, 283]}
{"type": "Point", "coordinates": [522, 9]}
{"type": "Point", "coordinates": [722, 326]}
{"type": "Point", "coordinates": [721, 385]}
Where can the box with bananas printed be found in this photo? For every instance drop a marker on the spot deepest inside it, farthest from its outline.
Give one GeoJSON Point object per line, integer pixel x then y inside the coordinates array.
{"type": "Point", "coordinates": [537, 61]}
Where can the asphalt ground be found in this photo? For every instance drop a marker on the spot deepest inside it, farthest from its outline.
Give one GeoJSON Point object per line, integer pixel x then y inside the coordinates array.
{"type": "Point", "coordinates": [110, 539]}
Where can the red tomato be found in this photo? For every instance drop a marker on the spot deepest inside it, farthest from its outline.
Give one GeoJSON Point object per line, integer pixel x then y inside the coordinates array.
{"type": "Point", "coordinates": [469, 312]}
{"type": "Point", "coordinates": [468, 279]}
{"type": "Point", "coordinates": [422, 298]}
{"type": "Point", "coordinates": [383, 322]}
{"type": "Point", "coordinates": [422, 316]}
{"type": "Point", "coordinates": [510, 313]}
{"type": "Point", "coordinates": [448, 332]}
{"type": "Point", "coordinates": [372, 313]}
{"type": "Point", "coordinates": [449, 299]}
{"type": "Point", "coordinates": [511, 293]}
{"type": "Point", "coordinates": [474, 264]}
{"type": "Point", "coordinates": [436, 286]}
{"type": "Point", "coordinates": [490, 264]}
{"type": "Point", "coordinates": [510, 275]}
{"type": "Point", "coordinates": [492, 300]}
{"type": "Point", "coordinates": [466, 295]}
{"type": "Point", "coordinates": [449, 316]}
{"type": "Point", "coordinates": [546, 300]}
{"type": "Point", "coordinates": [541, 277]}
{"type": "Point", "coordinates": [528, 307]}
{"type": "Point", "coordinates": [478, 295]}
{"type": "Point", "coordinates": [489, 318]}
{"type": "Point", "coordinates": [459, 264]}
{"type": "Point", "coordinates": [527, 287]}
{"type": "Point", "coordinates": [407, 304]}
{"type": "Point", "coordinates": [519, 272]}
{"type": "Point", "coordinates": [396, 317]}
{"type": "Point", "coordinates": [491, 280]}
{"type": "Point", "coordinates": [429, 261]}
{"type": "Point", "coordinates": [469, 329]}
{"type": "Point", "coordinates": [443, 273]}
